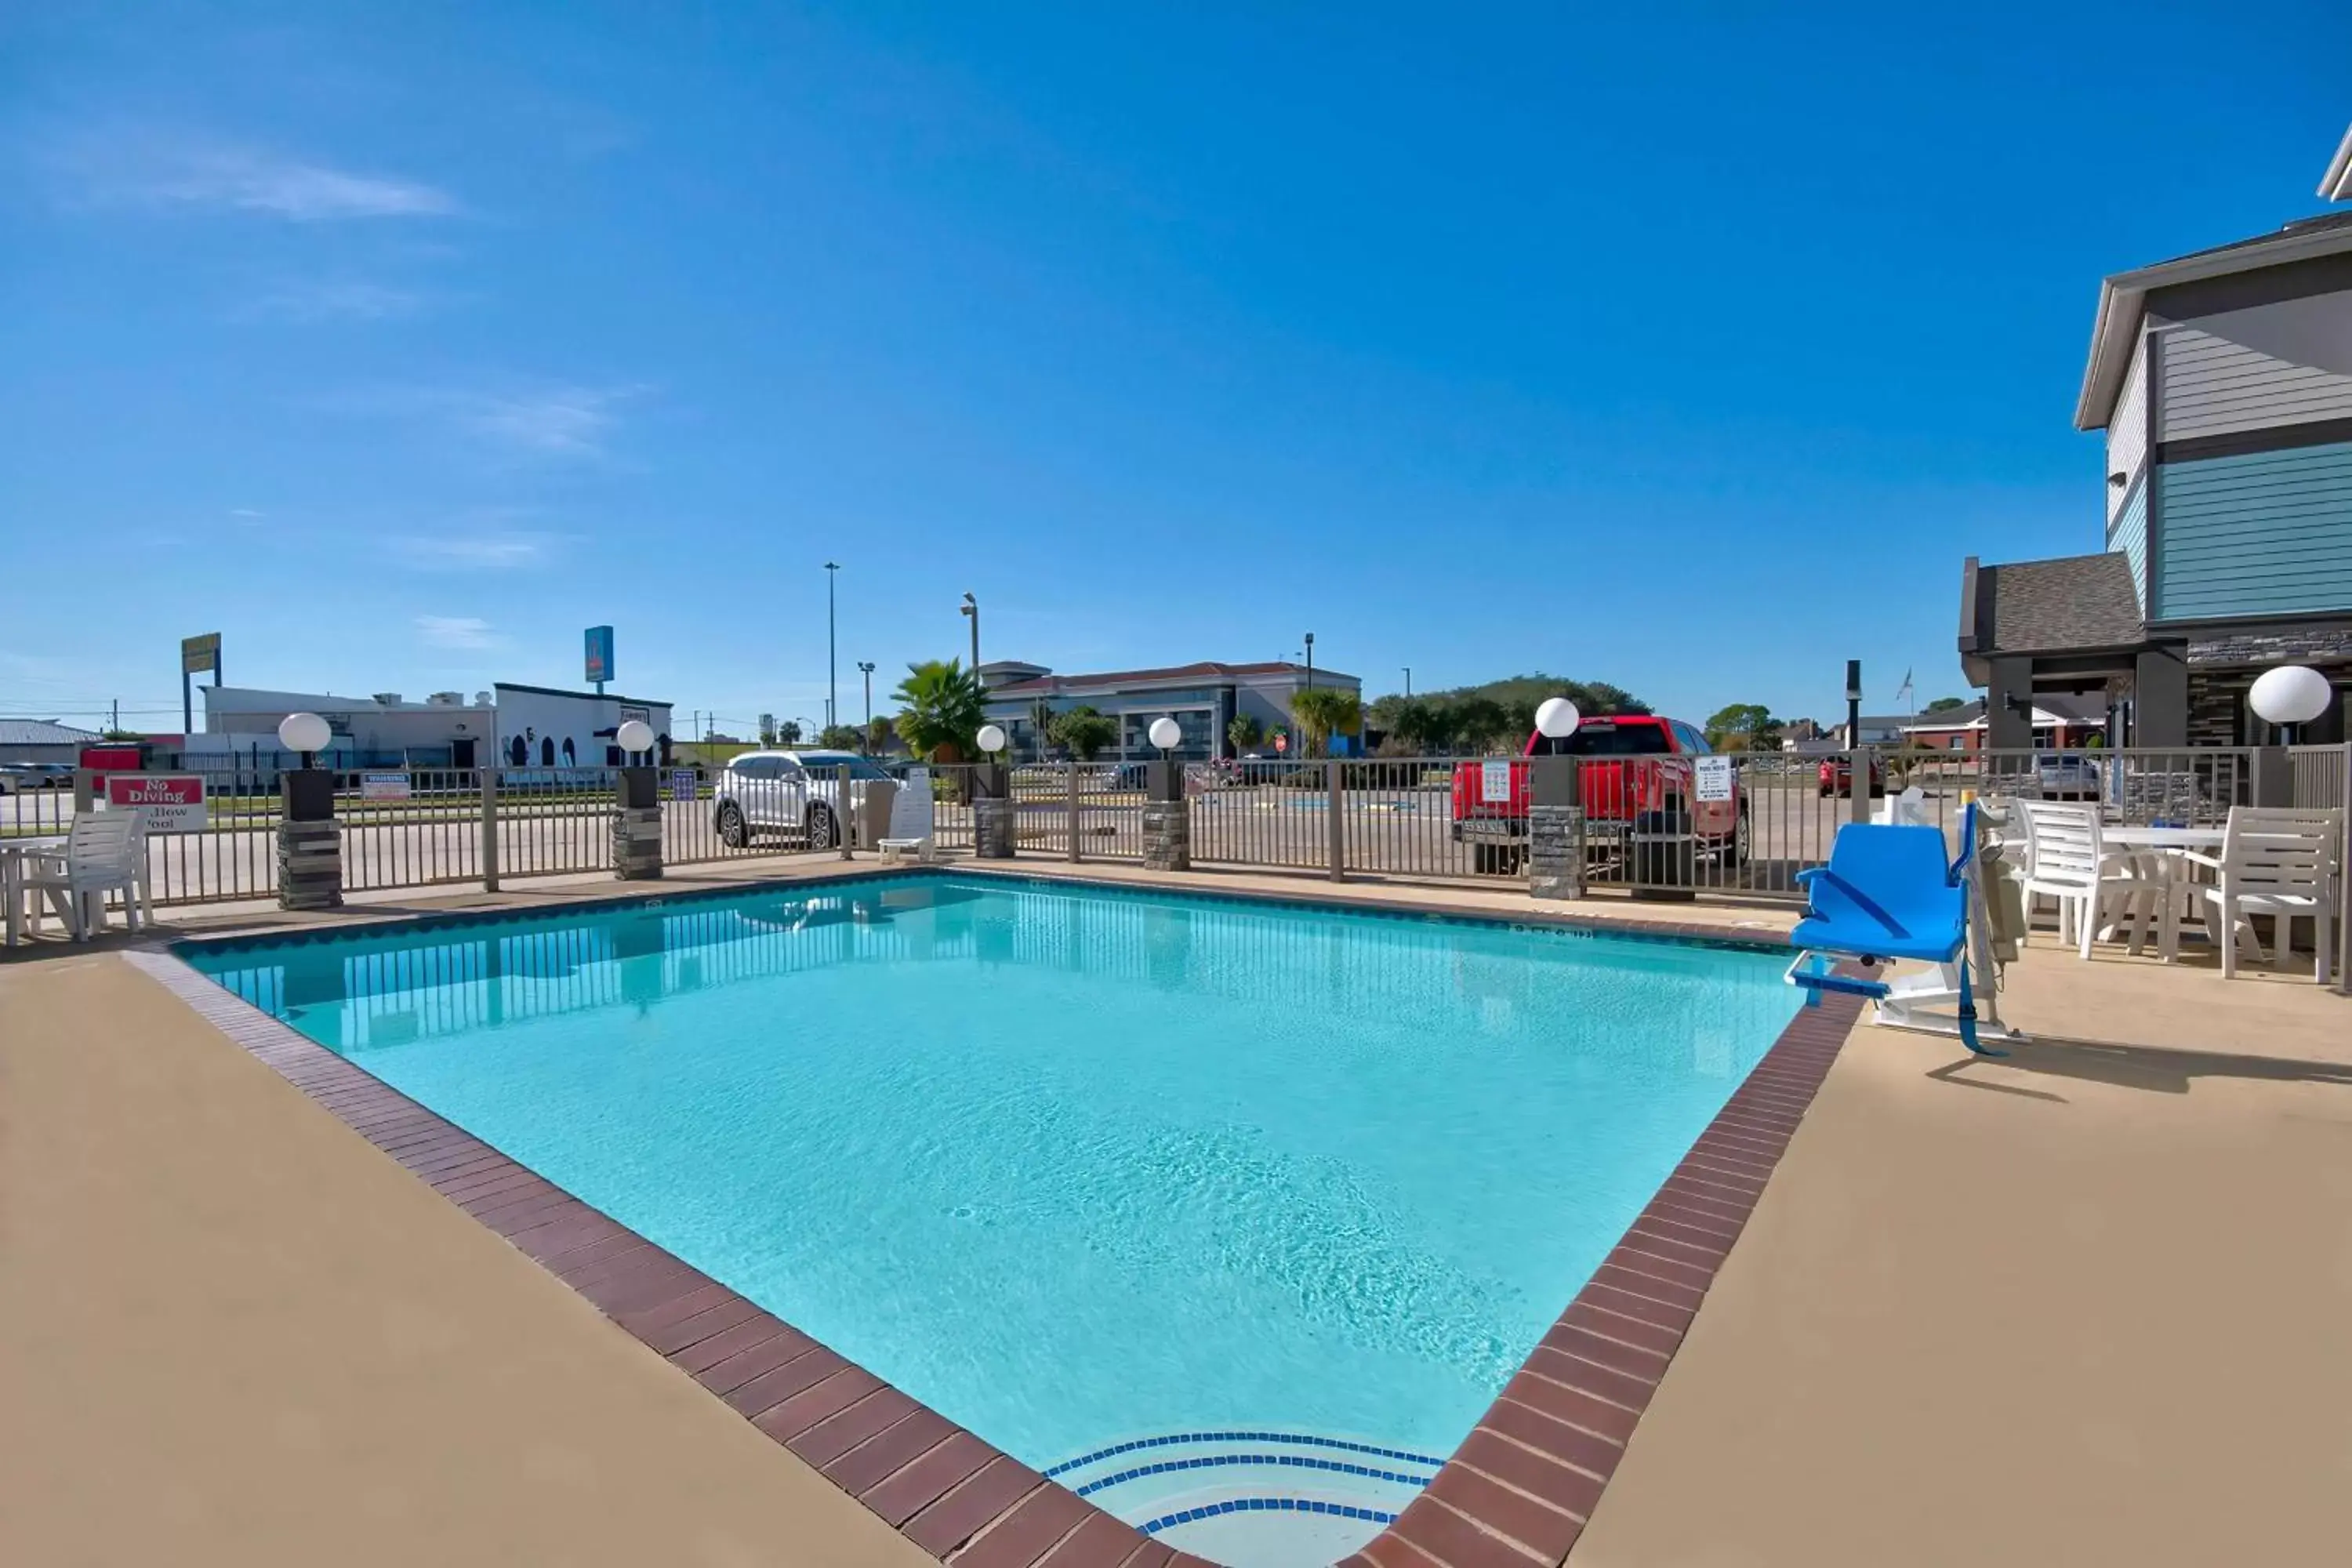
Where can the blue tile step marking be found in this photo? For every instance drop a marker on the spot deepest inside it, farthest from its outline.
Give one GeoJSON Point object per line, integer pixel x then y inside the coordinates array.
{"type": "Point", "coordinates": [1304, 1461]}
{"type": "Point", "coordinates": [1297, 1439]}
{"type": "Point", "coordinates": [1271, 1504]}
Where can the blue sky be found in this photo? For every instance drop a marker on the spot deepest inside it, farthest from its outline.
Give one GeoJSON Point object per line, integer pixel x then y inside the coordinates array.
{"type": "Point", "coordinates": [1685, 348]}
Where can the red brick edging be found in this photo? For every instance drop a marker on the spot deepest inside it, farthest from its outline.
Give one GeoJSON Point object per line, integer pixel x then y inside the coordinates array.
{"type": "Point", "coordinates": [1516, 1492]}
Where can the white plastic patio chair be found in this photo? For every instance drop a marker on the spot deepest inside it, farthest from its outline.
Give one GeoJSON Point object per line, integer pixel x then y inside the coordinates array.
{"type": "Point", "coordinates": [106, 851]}
{"type": "Point", "coordinates": [913, 815]}
{"type": "Point", "coordinates": [2066, 861]}
{"type": "Point", "coordinates": [2278, 862]}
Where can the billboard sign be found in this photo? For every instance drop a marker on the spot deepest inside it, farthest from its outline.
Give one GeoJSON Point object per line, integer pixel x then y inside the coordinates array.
{"type": "Point", "coordinates": [166, 802]}
{"type": "Point", "coordinates": [200, 653]}
{"type": "Point", "coordinates": [600, 653]}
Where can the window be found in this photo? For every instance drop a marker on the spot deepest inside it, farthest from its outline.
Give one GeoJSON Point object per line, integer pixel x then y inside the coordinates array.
{"type": "Point", "coordinates": [756, 767]}
{"type": "Point", "coordinates": [1691, 740]}
{"type": "Point", "coordinates": [859, 767]}
{"type": "Point", "coordinates": [1601, 738]}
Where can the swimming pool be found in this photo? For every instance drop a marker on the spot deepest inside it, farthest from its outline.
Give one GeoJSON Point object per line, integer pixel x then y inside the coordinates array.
{"type": "Point", "coordinates": [1179, 1199]}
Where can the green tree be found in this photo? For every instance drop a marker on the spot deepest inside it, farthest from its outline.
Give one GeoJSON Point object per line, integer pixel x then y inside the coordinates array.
{"type": "Point", "coordinates": [1479, 722]}
{"type": "Point", "coordinates": [788, 733]}
{"type": "Point", "coordinates": [1083, 732]}
{"type": "Point", "coordinates": [1748, 725]}
{"type": "Point", "coordinates": [1944, 705]}
{"type": "Point", "coordinates": [941, 708]}
{"type": "Point", "coordinates": [1245, 731]}
{"type": "Point", "coordinates": [839, 737]}
{"type": "Point", "coordinates": [1323, 711]}
{"type": "Point", "coordinates": [877, 735]}
{"type": "Point", "coordinates": [1425, 727]}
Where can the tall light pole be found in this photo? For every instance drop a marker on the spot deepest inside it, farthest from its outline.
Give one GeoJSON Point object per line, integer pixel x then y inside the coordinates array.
{"type": "Point", "coordinates": [865, 668]}
{"type": "Point", "coordinates": [971, 608]}
{"type": "Point", "coordinates": [832, 682]}
{"type": "Point", "coordinates": [1407, 681]}
{"type": "Point", "coordinates": [1310, 661]}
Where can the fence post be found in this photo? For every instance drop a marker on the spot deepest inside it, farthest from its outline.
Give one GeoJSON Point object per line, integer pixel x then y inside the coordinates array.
{"type": "Point", "coordinates": [845, 826]}
{"type": "Point", "coordinates": [2344, 875]}
{"type": "Point", "coordinates": [490, 830]}
{"type": "Point", "coordinates": [2273, 784]}
{"type": "Point", "coordinates": [1858, 782]}
{"type": "Point", "coordinates": [310, 841]}
{"type": "Point", "coordinates": [637, 824]}
{"type": "Point", "coordinates": [1072, 765]}
{"type": "Point", "coordinates": [1336, 849]}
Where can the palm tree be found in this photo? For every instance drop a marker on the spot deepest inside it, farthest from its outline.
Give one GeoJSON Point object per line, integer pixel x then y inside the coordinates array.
{"type": "Point", "coordinates": [942, 707]}
{"type": "Point", "coordinates": [1084, 731]}
{"type": "Point", "coordinates": [1324, 711]}
{"type": "Point", "coordinates": [1244, 731]}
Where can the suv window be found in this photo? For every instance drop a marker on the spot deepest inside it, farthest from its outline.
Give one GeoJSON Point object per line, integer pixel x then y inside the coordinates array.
{"type": "Point", "coordinates": [756, 767]}
{"type": "Point", "coordinates": [1600, 737]}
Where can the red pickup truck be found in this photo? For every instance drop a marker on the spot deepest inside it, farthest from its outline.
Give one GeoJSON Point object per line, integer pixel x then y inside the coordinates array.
{"type": "Point", "coordinates": [1640, 774]}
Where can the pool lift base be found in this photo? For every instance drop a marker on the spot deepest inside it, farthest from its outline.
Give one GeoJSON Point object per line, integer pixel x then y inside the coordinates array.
{"type": "Point", "coordinates": [1940, 1000]}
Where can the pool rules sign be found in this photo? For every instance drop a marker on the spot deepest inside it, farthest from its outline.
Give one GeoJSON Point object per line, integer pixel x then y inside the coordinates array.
{"type": "Point", "coordinates": [166, 802]}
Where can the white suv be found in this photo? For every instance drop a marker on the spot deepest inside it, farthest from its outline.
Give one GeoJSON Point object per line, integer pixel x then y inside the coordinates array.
{"type": "Point", "coordinates": [790, 794]}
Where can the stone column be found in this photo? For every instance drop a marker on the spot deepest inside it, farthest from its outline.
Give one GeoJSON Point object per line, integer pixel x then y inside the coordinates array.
{"type": "Point", "coordinates": [1555, 828]}
{"type": "Point", "coordinates": [1167, 818]}
{"type": "Point", "coordinates": [310, 841]}
{"type": "Point", "coordinates": [992, 815]}
{"type": "Point", "coordinates": [637, 827]}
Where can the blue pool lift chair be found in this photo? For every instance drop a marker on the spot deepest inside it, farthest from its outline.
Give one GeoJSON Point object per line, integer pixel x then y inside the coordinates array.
{"type": "Point", "coordinates": [1888, 893]}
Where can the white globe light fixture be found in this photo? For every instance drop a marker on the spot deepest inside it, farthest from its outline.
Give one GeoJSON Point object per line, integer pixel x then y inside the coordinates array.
{"type": "Point", "coordinates": [992, 738]}
{"type": "Point", "coordinates": [305, 732]}
{"type": "Point", "coordinates": [636, 735]}
{"type": "Point", "coordinates": [1557, 718]}
{"type": "Point", "coordinates": [2290, 694]}
{"type": "Point", "coordinates": [1166, 733]}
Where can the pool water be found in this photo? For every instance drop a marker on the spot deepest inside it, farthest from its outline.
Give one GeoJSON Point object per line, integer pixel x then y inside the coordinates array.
{"type": "Point", "coordinates": [1079, 1167]}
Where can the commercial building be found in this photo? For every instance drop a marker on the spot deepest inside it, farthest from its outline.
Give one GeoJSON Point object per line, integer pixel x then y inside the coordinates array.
{"type": "Point", "coordinates": [41, 740]}
{"type": "Point", "coordinates": [2224, 381]}
{"type": "Point", "coordinates": [518, 726]}
{"type": "Point", "coordinates": [1203, 699]}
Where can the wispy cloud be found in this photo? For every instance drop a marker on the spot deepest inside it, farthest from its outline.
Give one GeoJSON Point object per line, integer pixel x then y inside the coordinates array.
{"type": "Point", "coordinates": [475, 552]}
{"type": "Point", "coordinates": [456, 632]}
{"type": "Point", "coordinates": [244, 513]}
{"type": "Point", "coordinates": [310, 301]}
{"type": "Point", "coordinates": [555, 421]}
{"type": "Point", "coordinates": [144, 167]}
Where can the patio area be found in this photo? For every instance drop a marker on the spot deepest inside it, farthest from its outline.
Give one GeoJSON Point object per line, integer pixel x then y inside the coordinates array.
{"type": "Point", "coordinates": [2085, 1304]}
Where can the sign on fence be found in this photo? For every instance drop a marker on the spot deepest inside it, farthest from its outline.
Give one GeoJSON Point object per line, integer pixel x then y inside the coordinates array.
{"type": "Point", "coordinates": [1493, 783]}
{"type": "Point", "coordinates": [1713, 780]}
{"type": "Point", "coordinates": [166, 802]}
{"type": "Point", "coordinates": [681, 784]}
{"type": "Point", "coordinates": [383, 786]}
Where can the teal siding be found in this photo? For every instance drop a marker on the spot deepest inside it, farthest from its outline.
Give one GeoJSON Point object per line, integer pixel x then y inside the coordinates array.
{"type": "Point", "coordinates": [2128, 534]}
{"type": "Point", "coordinates": [2266, 534]}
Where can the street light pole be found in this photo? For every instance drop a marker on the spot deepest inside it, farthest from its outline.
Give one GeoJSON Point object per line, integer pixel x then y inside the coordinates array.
{"type": "Point", "coordinates": [1407, 681]}
{"type": "Point", "coordinates": [865, 668]}
{"type": "Point", "coordinates": [971, 608]}
{"type": "Point", "coordinates": [831, 681]}
{"type": "Point", "coordinates": [1310, 661]}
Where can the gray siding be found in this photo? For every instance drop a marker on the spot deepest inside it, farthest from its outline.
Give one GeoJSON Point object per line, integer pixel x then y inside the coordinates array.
{"type": "Point", "coordinates": [2281, 364]}
{"type": "Point", "coordinates": [2262, 534]}
{"type": "Point", "coordinates": [2127, 433]}
{"type": "Point", "coordinates": [2128, 534]}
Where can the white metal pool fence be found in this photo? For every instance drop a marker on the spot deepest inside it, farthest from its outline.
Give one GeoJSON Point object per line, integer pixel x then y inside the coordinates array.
{"type": "Point", "coordinates": [1652, 823]}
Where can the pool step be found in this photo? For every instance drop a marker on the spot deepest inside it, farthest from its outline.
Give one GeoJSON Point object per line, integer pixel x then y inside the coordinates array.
{"type": "Point", "coordinates": [1252, 1498]}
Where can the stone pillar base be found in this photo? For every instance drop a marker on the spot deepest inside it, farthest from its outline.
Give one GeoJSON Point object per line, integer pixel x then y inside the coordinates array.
{"type": "Point", "coordinates": [1167, 836]}
{"type": "Point", "coordinates": [310, 865]}
{"type": "Point", "coordinates": [1556, 851]}
{"type": "Point", "coordinates": [992, 827]}
{"type": "Point", "coordinates": [638, 843]}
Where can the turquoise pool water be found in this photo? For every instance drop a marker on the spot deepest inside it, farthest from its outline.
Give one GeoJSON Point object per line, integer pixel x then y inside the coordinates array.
{"type": "Point", "coordinates": [1075, 1165]}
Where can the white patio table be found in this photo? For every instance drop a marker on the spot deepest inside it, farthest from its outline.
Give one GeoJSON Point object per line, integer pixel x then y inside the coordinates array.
{"type": "Point", "coordinates": [14, 853]}
{"type": "Point", "coordinates": [2157, 853]}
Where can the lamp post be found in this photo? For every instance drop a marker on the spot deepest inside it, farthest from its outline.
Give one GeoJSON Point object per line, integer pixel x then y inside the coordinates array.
{"type": "Point", "coordinates": [971, 608]}
{"type": "Point", "coordinates": [1408, 681]}
{"type": "Point", "coordinates": [865, 668]}
{"type": "Point", "coordinates": [1310, 661]}
{"type": "Point", "coordinates": [831, 681]}
{"type": "Point", "coordinates": [309, 846]}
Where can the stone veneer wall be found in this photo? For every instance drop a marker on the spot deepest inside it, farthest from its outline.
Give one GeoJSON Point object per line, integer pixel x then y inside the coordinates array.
{"type": "Point", "coordinates": [2221, 670]}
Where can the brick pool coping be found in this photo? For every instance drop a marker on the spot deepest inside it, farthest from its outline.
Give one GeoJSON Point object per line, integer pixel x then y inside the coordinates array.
{"type": "Point", "coordinates": [1517, 1492]}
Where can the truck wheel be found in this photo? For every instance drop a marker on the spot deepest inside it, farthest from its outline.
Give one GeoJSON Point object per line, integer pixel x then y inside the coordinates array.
{"type": "Point", "coordinates": [1742, 841]}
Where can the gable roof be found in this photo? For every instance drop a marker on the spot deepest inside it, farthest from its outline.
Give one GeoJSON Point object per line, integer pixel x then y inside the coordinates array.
{"type": "Point", "coordinates": [2075, 604]}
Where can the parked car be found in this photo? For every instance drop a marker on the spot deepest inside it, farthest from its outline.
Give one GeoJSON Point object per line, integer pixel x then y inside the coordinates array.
{"type": "Point", "coordinates": [1639, 774]}
{"type": "Point", "coordinates": [2064, 776]}
{"type": "Point", "coordinates": [1836, 775]}
{"type": "Point", "coordinates": [789, 795]}
{"type": "Point", "coordinates": [14, 778]}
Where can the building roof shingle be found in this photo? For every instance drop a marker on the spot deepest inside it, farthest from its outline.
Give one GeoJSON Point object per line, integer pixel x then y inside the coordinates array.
{"type": "Point", "coordinates": [2074, 603]}
{"type": "Point", "coordinates": [42, 733]}
{"type": "Point", "coordinates": [1206, 669]}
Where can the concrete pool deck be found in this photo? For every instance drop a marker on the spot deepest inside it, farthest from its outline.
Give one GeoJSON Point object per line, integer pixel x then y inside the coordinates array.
{"type": "Point", "coordinates": [2083, 1306]}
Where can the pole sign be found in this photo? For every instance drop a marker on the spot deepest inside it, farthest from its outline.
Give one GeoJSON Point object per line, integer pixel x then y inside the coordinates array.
{"type": "Point", "coordinates": [166, 802]}
{"type": "Point", "coordinates": [1713, 780]}
{"type": "Point", "coordinates": [600, 653]}
{"type": "Point", "coordinates": [198, 654]}
{"type": "Point", "coordinates": [1281, 742]}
